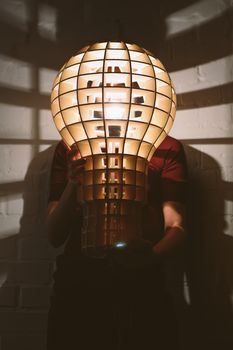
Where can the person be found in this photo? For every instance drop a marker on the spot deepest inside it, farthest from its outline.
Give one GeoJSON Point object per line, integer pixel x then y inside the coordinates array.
{"type": "Point", "coordinates": [101, 303]}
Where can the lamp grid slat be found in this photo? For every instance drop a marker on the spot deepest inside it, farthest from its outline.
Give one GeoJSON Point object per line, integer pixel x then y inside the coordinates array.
{"type": "Point", "coordinates": [116, 103]}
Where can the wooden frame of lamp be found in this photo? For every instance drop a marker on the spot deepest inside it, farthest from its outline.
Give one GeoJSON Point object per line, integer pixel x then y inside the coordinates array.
{"type": "Point", "coordinates": [116, 102]}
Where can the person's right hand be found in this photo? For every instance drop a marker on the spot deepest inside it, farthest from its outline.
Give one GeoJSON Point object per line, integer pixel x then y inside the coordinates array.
{"type": "Point", "coordinates": [76, 166]}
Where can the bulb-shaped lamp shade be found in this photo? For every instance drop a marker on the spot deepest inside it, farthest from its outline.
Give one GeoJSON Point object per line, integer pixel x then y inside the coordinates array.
{"type": "Point", "coordinates": [116, 103]}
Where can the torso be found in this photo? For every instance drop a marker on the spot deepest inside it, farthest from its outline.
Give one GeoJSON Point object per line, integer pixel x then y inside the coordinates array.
{"type": "Point", "coordinates": [152, 213]}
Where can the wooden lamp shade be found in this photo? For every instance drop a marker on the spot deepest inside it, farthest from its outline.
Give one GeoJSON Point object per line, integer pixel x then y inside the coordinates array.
{"type": "Point", "coordinates": [116, 103]}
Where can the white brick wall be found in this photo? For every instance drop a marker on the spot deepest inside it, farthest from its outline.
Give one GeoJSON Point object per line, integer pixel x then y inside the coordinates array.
{"type": "Point", "coordinates": [35, 297]}
{"type": "Point", "coordinates": [194, 15]}
{"type": "Point", "coordinates": [207, 75]}
{"type": "Point", "coordinates": [15, 159]}
{"type": "Point", "coordinates": [26, 259]}
{"type": "Point", "coordinates": [15, 114]}
{"type": "Point", "coordinates": [15, 73]}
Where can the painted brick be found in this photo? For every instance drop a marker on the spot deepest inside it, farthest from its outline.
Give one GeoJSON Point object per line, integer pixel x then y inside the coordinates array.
{"type": "Point", "coordinates": [215, 73]}
{"type": "Point", "coordinates": [38, 173]}
{"type": "Point", "coordinates": [187, 124]}
{"type": "Point", "coordinates": [228, 230]}
{"type": "Point", "coordinates": [31, 202]}
{"type": "Point", "coordinates": [35, 297]}
{"type": "Point", "coordinates": [205, 76]}
{"type": "Point", "coordinates": [216, 121]}
{"type": "Point", "coordinates": [203, 123]}
{"type": "Point", "coordinates": [194, 15]}
{"type": "Point", "coordinates": [21, 321]}
{"type": "Point", "coordinates": [221, 153]}
{"type": "Point", "coordinates": [47, 23]}
{"type": "Point", "coordinates": [184, 80]}
{"type": "Point", "coordinates": [9, 225]}
{"type": "Point", "coordinates": [47, 77]}
{"type": "Point", "coordinates": [228, 208]}
{"type": "Point", "coordinates": [16, 12]}
{"type": "Point", "coordinates": [211, 171]}
{"type": "Point", "coordinates": [14, 206]}
{"type": "Point", "coordinates": [212, 201]}
{"type": "Point", "coordinates": [24, 342]}
{"type": "Point", "coordinates": [8, 296]}
{"type": "Point", "coordinates": [29, 225]}
{"type": "Point", "coordinates": [27, 272]}
{"type": "Point", "coordinates": [47, 127]}
{"type": "Point", "coordinates": [210, 179]}
{"type": "Point", "coordinates": [193, 157]}
{"type": "Point", "coordinates": [15, 73]}
{"type": "Point", "coordinates": [43, 148]}
{"type": "Point", "coordinates": [3, 205]}
{"type": "Point", "coordinates": [35, 248]}
{"type": "Point", "coordinates": [8, 129]}
{"type": "Point", "coordinates": [8, 247]}
{"type": "Point", "coordinates": [15, 160]}
{"type": "Point", "coordinates": [227, 173]}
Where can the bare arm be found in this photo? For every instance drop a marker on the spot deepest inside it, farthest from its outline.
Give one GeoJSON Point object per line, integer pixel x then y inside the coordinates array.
{"type": "Point", "coordinates": [174, 235]}
{"type": "Point", "coordinates": [61, 214]}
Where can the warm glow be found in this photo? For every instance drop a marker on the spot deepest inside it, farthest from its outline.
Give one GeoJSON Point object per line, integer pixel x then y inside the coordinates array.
{"type": "Point", "coordinates": [116, 103]}
{"type": "Point", "coordinates": [114, 112]}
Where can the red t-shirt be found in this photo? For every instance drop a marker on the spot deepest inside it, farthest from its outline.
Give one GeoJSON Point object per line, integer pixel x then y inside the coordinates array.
{"type": "Point", "coordinates": [167, 181]}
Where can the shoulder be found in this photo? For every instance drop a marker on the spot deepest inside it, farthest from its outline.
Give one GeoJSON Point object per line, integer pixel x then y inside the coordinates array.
{"type": "Point", "coordinates": [170, 149]}
{"type": "Point", "coordinates": [169, 143]}
{"type": "Point", "coordinates": [60, 153]}
{"type": "Point", "coordinates": [61, 148]}
{"type": "Point", "coordinates": [58, 174]}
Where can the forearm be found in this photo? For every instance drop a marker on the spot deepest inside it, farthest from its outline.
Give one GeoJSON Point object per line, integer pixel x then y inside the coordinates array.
{"type": "Point", "coordinates": [61, 215]}
{"type": "Point", "coordinates": [172, 240]}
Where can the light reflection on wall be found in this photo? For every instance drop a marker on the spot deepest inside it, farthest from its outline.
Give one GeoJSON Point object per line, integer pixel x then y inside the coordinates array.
{"type": "Point", "coordinates": [26, 126]}
{"type": "Point", "coordinates": [47, 131]}
{"type": "Point", "coordinates": [36, 125]}
{"type": "Point", "coordinates": [11, 114]}
{"type": "Point", "coordinates": [47, 21]}
{"type": "Point", "coordinates": [24, 130]}
{"type": "Point", "coordinates": [203, 123]}
{"type": "Point", "coordinates": [15, 73]}
{"type": "Point", "coordinates": [46, 77]}
{"type": "Point", "coordinates": [194, 15]}
{"type": "Point", "coordinates": [214, 73]}
{"type": "Point", "coordinates": [15, 13]}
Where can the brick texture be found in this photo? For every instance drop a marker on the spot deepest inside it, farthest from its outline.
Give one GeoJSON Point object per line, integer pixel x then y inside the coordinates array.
{"type": "Point", "coordinates": [35, 297]}
{"type": "Point", "coordinates": [194, 41]}
{"type": "Point", "coordinates": [35, 341]}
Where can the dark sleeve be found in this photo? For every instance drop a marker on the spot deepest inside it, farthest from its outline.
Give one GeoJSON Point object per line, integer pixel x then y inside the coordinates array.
{"type": "Point", "coordinates": [58, 174]}
{"type": "Point", "coordinates": [174, 178]}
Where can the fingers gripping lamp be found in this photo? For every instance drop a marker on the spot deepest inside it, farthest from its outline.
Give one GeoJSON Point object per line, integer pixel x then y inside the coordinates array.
{"type": "Point", "coordinates": [116, 103]}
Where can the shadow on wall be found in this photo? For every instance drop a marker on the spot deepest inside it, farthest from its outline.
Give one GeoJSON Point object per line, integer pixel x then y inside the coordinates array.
{"type": "Point", "coordinates": [26, 274]}
{"type": "Point", "coordinates": [205, 316]}
{"type": "Point", "coordinates": [209, 255]}
{"type": "Point", "coordinates": [201, 282]}
{"type": "Point", "coordinates": [35, 194]}
{"type": "Point", "coordinates": [146, 26]}
{"type": "Point", "coordinates": [28, 259]}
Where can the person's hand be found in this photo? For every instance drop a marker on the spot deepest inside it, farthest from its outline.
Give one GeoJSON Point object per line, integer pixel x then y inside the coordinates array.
{"type": "Point", "coordinates": [76, 166]}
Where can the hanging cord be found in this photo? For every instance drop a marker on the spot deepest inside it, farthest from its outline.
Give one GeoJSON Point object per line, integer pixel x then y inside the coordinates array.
{"type": "Point", "coordinates": [119, 29]}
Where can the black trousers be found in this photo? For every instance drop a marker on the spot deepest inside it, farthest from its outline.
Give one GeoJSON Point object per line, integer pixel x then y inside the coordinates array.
{"type": "Point", "coordinates": [102, 304]}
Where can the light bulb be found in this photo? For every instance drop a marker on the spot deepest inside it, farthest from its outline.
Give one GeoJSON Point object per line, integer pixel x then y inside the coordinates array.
{"type": "Point", "coordinates": [114, 112]}
{"type": "Point", "coordinates": [116, 102]}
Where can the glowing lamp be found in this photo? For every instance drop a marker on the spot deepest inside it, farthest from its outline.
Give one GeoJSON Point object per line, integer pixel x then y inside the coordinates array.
{"type": "Point", "coordinates": [116, 103]}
